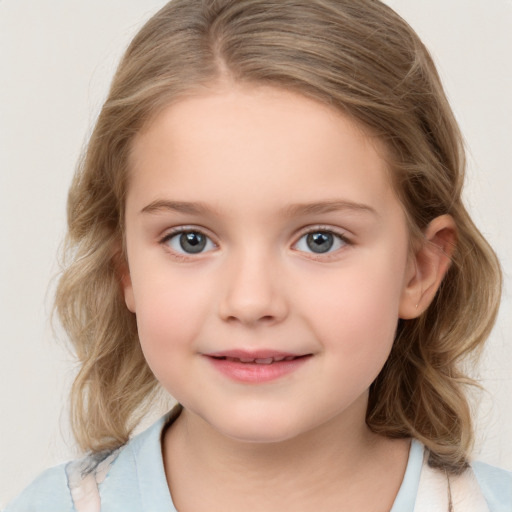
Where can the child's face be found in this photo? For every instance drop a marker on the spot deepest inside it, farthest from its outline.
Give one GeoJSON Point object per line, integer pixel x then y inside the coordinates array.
{"type": "Point", "coordinates": [261, 224]}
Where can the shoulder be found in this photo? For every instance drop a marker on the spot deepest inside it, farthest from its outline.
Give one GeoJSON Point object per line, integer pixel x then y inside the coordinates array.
{"type": "Point", "coordinates": [118, 476]}
{"type": "Point", "coordinates": [496, 486]}
{"type": "Point", "coordinates": [49, 492]}
{"type": "Point", "coordinates": [71, 486]}
{"type": "Point", "coordinates": [480, 488]}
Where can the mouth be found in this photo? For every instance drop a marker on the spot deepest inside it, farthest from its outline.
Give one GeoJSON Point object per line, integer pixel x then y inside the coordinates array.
{"type": "Point", "coordinates": [256, 367]}
{"type": "Point", "coordinates": [261, 356]}
{"type": "Point", "coordinates": [258, 360]}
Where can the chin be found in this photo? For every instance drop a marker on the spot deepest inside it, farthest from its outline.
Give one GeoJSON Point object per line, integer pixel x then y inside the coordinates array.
{"type": "Point", "coordinates": [259, 429]}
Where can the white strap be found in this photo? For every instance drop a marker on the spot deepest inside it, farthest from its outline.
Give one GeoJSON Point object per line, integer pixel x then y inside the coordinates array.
{"type": "Point", "coordinates": [84, 476]}
{"type": "Point", "coordinates": [436, 487]}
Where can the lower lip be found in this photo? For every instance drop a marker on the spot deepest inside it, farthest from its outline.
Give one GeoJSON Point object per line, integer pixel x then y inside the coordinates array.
{"type": "Point", "coordinates": [257, 373]}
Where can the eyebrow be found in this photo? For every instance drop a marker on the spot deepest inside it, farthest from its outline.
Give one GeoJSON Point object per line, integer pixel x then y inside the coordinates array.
{"type": "Point", "coordinates": [326, 207]}
{"type": "Point", "coordinates": [178, 206]}
{"type": "Point", "coordinates": [293, 210]}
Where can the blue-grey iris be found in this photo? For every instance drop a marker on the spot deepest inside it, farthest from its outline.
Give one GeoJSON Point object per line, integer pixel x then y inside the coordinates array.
{"type": "Point", "coordinates": [320, 242]}
{"type": "Point", "coordinates": [192, 242]}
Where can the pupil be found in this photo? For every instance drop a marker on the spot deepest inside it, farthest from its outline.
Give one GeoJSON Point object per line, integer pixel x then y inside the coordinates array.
{"type": "Point", "coordinates": [192, 242]}
{"type": "Point", "coordinates": [320, 242]}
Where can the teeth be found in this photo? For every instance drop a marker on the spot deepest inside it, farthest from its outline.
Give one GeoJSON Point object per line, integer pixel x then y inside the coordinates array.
{"type": "Point", "coordinates": [268, 360]}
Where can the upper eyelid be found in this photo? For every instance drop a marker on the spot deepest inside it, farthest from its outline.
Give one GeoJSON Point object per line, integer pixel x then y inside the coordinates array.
{"type": "Point", "coordinates": [342, 233]}
{"type": "Point", "coordinates": [173, 231]}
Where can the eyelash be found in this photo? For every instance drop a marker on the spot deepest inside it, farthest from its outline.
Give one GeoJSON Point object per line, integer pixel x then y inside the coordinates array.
{"type": "Point", "coordinates": [341, 237]}
{"type": "Point", "coordinates": [175, 233]}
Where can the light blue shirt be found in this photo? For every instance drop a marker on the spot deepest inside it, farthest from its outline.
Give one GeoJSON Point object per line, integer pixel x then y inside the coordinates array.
{"type": "Point", "coordinates": [137, 482]}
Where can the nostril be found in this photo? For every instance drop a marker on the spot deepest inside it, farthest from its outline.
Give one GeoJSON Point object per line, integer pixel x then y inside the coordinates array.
{"type": "Point", "coordinates": [266, 319]}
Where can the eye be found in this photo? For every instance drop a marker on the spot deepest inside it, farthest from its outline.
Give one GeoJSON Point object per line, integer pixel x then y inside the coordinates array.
{"type": "Point", "coordinates": [320, 242]}
{"type": "Point", "coordinates": [188, 242]}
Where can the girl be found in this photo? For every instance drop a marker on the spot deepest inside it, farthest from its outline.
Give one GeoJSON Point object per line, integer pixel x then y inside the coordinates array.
{"type": "Point", "coordinates": [267, 224]}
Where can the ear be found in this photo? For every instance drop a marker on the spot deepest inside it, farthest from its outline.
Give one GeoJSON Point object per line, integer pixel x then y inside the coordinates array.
{"type": "Point", "coordinates": [123, 273]}
{"type": "Point", "coordinates": [126, 284]}
{"type": "Point", "coordinates": [428, 266]}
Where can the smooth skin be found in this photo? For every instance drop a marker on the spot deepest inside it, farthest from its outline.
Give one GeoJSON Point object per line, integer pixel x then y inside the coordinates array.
{"type": "Point", "coordinates": [252, 175]}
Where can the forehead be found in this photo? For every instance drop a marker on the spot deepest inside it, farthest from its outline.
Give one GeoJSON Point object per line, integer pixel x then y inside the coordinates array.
{"type": "Point", "coordinates": [244, 143]}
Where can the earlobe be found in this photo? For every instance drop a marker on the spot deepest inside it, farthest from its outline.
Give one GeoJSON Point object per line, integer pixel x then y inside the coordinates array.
{"type": "Point", "coordinates": [126, 283]}
{"type": "Point", "coordinates": [428, 266]}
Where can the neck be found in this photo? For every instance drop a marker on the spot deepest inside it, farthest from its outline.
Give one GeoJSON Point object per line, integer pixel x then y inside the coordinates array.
{"type": "Point", "coordinates": [314, 467]}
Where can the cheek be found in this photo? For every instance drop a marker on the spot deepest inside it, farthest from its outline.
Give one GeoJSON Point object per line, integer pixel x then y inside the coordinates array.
{"type": "Point", "coordinates": [355, 312]}
{"type": "Point", "coordinates": [169, 312]}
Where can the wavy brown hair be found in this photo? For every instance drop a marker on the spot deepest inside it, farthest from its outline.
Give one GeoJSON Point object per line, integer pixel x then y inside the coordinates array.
{"type": "Point", "coordinates": [359, 57]}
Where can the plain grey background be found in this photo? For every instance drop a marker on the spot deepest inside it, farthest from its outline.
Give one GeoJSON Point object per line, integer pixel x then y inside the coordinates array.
{"type": "Point", "coordinates": [56, 61]}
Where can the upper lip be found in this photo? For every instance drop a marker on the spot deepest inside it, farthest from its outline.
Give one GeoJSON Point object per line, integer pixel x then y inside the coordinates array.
{"type": "Point", "coordinates": [253, 355]}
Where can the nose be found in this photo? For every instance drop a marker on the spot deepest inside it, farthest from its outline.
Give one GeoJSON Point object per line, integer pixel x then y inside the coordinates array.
{"type": "Point", "coordinates": [253, 292]}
